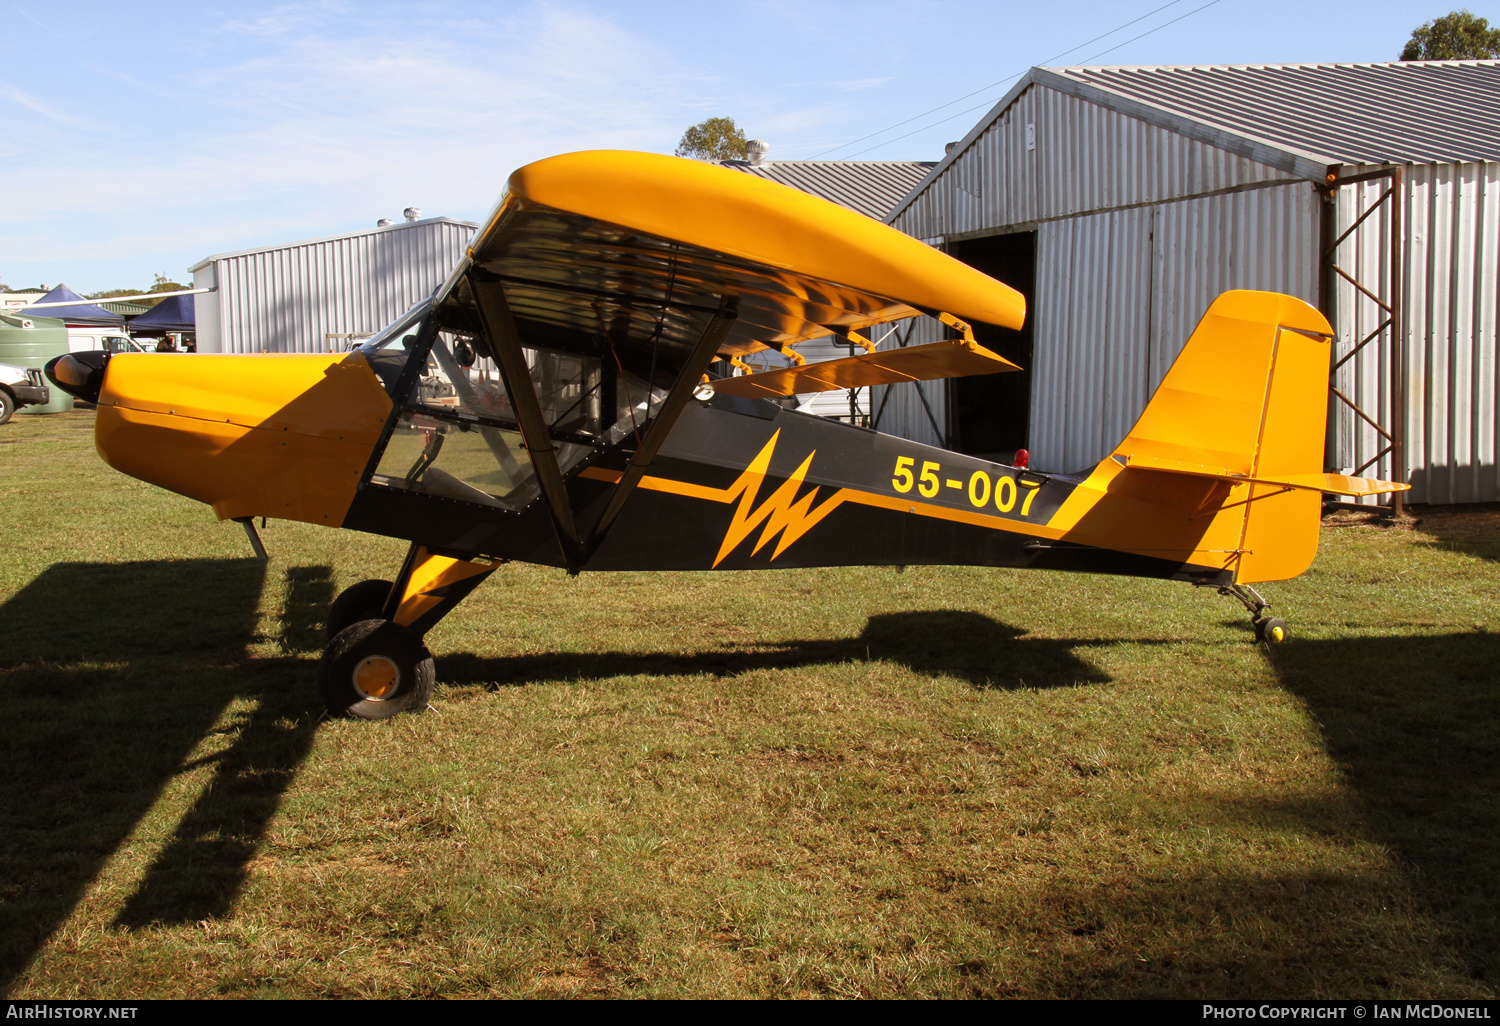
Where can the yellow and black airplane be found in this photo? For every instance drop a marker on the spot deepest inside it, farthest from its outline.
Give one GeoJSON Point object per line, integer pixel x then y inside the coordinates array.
{"type": "Point", "coordinates": [567, 398]}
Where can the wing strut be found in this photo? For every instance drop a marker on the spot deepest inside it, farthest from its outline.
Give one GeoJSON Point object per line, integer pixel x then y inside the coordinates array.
{"type": "Point", "coordinates": [682, 390]}
{"type": "Point", "coordinates": [500, 326]}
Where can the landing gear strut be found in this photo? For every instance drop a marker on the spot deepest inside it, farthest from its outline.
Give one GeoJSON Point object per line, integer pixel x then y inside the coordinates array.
{"type": "Point", "coordinates": [1269, 629]}
{"type": "Point", "coordinates": [376, 664]}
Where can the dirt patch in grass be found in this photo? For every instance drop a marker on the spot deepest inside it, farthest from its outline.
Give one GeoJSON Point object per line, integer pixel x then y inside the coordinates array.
{"type": "Point", "coordinates": [1380, 518]}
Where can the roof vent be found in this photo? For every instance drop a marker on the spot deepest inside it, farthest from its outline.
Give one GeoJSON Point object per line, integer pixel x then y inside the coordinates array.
{"type": "Point", "coordinates": [412, 214]}
{"type": "Point", "coordinates": [757, 149]}
{"type": "Point", "coordinates": [384, 222]}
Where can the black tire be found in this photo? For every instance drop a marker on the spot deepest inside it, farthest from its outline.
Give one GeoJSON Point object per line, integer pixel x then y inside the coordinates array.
{"type": "Point", "coordinates": [7, 406]}
{"type": "Point", "coordinates": [1271, 630]}
{"type": "Point", "coordinates": [362, 601]}
{"type": "Point", "coordinates": [375, 669]}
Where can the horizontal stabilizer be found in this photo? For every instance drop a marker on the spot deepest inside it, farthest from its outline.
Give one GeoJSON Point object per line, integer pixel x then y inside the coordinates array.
{"type": "Point", "coordinates": [954, 358]}
{"type": "Point", "coordinates": [1338, 484]}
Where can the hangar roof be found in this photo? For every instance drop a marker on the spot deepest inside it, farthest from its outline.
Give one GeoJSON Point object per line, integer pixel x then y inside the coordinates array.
{"type": "Point", "coordinates": [1404, 112]}
{"type": "Point", "coordinates": [1301, 118]}
{"type": "Point", "coordinates": [872, 187]}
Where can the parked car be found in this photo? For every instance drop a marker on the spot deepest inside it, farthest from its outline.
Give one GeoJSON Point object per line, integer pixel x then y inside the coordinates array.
{"type": "Point", "coordinates": [21, 387]}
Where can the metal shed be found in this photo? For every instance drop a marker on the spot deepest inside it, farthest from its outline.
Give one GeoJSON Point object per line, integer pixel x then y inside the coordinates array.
{"type": "Point", "coordinates": [1122, 200]}
{"type": "Point", "coordinates": [319, 295]}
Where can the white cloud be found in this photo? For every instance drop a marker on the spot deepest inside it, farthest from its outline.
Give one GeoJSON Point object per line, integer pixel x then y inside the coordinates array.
{"type": "Point", "coordinates": [861, 83]}
{"type": "Point", "coordinates": [327, 124]}
{"type": "Point", "coordinates": [36, 106]}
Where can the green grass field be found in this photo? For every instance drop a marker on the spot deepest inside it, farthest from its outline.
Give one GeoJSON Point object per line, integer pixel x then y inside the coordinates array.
{"type": "Point", "coordinates": [859, 783]}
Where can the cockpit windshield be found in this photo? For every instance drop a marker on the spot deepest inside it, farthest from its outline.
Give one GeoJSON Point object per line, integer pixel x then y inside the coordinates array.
{"type": "Point", "coordinates": [457, 436]}
{"type": "Point", "coordinates": [403, 330]}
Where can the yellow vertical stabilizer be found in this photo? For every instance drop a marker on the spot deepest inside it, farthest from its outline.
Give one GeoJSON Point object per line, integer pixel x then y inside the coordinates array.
{"type": "Point", "coordinates": [1248, 397]}
{"type": "Point", "coordinates": [1225, 465]}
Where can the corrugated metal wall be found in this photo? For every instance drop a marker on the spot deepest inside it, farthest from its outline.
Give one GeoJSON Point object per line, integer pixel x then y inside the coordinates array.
{"type": "Point", "coordinates": [1085, 158]}
{"type": "Point", "coordinates": [1451, 290]}
{"type": "Point", "coordinates": [289, 300]}
{"type": "Point", "coordinates": [1092, 334]}
{"type": "Point", "coordinates": [1118, 294]}
{"type": "Point", "coordinates": [1118, 291]}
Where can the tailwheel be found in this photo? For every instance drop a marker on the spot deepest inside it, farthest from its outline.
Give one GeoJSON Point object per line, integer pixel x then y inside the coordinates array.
{"type": "Point", "coordinates": [362, 601]}
{"type": "Point", "coordinates": [374, 669]}
{"type": "Point", "coordinates": [1271, 630]}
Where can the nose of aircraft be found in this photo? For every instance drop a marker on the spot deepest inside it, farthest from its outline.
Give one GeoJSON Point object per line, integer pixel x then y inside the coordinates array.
{"type": "Point", "coordinates": [278, 435]}
{"type": "Point", "coordinates": [81, 375]}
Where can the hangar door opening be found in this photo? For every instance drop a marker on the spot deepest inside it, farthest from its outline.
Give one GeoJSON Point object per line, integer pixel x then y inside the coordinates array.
{"type": "Point", "coordinates": [988, 415]}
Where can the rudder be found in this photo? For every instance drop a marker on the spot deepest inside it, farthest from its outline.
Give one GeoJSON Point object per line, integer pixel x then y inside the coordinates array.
{"type": "Point", "coordinates": [1242, 412]}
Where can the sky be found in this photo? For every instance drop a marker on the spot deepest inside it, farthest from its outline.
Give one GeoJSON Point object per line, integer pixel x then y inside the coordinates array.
{"type": "Point", "coordinates": [137, 139]}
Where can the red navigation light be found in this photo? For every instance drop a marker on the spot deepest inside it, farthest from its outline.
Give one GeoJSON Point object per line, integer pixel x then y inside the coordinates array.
{"type": "Point", "coordinates": [1022, 458]}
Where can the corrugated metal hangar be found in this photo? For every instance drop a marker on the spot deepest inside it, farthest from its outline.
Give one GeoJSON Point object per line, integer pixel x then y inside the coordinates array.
{"type": "Point", "coordinates": [319, 295]}
{"type": "Point", "coordinates": [1122, 200]}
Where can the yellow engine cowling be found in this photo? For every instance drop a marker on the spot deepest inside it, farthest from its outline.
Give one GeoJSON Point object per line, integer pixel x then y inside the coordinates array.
{"type": "Point", "coordinates": [268, 435]}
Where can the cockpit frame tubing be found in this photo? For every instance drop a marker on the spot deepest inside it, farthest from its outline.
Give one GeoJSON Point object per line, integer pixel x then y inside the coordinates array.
{"type": "Point", "coordinates": [405, 382]}
{"type": "Point", "coordinates": [683, 388]}
{"type": "Point", "coordinates": [505, 344]}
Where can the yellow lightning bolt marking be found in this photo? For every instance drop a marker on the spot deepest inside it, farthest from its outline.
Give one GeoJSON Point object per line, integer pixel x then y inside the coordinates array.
{"type": "Point", "coordinates": [782, 513]}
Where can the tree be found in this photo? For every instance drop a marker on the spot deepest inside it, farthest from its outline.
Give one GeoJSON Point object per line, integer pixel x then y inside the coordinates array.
{"type": "Point", "coordinates": [714, 139]}
{"type": "Point", "coordinates": [163, 284]}
{"type": "Point", "coordinates": [1457, 36]}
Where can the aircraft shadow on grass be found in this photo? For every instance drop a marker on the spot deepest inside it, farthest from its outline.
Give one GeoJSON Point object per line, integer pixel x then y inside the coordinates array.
{"type": "Point", "coordinates": [958, 643]}
{"type": "Point", "coordinates": [1415, 724]}
{"type": "Point", "coordinates": [112, 675]}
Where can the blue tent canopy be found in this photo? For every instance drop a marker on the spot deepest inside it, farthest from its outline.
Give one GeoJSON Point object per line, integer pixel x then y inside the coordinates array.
{"type": "Point", "coordinates": [175, 313]}
{"type": "Point", "coordinates": [84, 313]}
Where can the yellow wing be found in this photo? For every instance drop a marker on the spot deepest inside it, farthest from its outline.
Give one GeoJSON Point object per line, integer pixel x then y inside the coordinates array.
{"type": "Point", "coordinates": [640, 249]}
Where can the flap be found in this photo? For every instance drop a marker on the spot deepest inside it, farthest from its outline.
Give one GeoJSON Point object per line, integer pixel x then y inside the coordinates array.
{"type": "Point", "coordinates": [953, 358]}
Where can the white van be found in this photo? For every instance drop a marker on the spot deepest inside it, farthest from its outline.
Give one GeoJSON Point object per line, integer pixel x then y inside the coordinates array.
{"type": "Point", "coordinates": [111, 340]}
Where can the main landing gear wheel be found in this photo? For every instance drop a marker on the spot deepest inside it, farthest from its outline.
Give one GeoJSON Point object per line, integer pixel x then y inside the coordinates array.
{"type": "Point", "coordinates": [374, 669]}
{"type": "Point", "coordinates": [1271, 630]}
{"type": "Point", "coordinates": [362, 601]}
